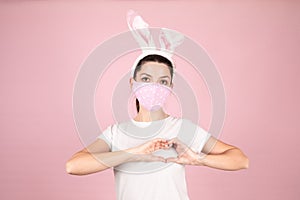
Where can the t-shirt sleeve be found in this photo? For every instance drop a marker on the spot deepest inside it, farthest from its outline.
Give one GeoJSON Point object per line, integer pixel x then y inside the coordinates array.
{"type": "Point", "coordinates": [107, 136]}
{"type": "Point", "coordinates": [200, 139]}
{"type": "Point", "coordinates": [193, 135]}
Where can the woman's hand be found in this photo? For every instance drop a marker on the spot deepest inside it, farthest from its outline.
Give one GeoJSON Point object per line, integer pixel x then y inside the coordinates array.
{"type": "Point", "coordinates": [144, 151]}
{"type": "Point", "coordinates": [186, 156]}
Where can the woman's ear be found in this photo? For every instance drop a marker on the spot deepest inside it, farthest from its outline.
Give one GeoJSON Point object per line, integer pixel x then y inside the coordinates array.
{"type": "Point", "coordinates": [131, 82]}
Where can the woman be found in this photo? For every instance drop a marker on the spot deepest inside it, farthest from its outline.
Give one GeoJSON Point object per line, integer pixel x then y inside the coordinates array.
{"type": "Point", "coordinates": [114, 149]}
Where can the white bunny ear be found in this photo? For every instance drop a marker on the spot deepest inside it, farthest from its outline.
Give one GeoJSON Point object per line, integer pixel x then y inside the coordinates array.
{"type": "Point", "coordinates": [139, 29]}
{"type": "Point", "coordinates": [170, 39]}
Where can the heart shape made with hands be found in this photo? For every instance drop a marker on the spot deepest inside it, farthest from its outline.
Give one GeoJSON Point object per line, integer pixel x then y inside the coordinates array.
{"type": "Point", "coordinates": [186, 155]}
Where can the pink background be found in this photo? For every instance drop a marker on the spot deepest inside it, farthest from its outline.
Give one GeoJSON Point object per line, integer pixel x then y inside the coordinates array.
{"type": "Point", "coordinates": [255, 45]}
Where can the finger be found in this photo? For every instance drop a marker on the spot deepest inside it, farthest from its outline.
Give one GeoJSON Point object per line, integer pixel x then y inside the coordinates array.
{"type": "Point", "coordinates": [159, 140]}
{"type": "Point", "coordinates": [172, 159]}
{"type": "Point", "coordinates": [176, 142]}
{"type": "Point", "coordinates": [156, 147]}
{"type": "Point", "coordinates": [172, 144]}
{"type": "Point", "coordinates": [167, 146]}
{"type": "Point", "coordinates": [173, 141]}
{"type": "Point", "coordinates": [163, 142]}
{"type": "Point", "coordinates": [162, 146]}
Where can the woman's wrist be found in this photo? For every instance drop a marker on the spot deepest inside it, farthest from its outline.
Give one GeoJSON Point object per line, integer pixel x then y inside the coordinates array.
{"type": "Point", "coordinates": [133, 152]}
{"type": "Point", "coordinates": [200, 159]}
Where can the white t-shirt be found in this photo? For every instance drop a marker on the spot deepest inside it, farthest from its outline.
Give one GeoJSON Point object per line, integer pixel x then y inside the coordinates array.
{"type": "Point", "coordinates": [153, 180]}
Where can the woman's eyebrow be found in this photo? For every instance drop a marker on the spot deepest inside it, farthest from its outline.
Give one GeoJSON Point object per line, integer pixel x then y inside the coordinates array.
{"type": "Point", "coordinates": [146, 74]}
{"type": "Point", "coordinates": [165, 77]}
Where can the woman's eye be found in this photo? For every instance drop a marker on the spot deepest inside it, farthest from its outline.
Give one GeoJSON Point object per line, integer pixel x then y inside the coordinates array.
{"type": "Point", "coordinates": [145, 79]}
{"type": "Point", "coordinates": [164, 82]}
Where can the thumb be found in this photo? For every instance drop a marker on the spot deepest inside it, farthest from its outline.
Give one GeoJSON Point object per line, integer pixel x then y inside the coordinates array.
{"type": "Point", "coordinates": [172, 159]}
{"type": "Point", "coordinates": [158, 158]}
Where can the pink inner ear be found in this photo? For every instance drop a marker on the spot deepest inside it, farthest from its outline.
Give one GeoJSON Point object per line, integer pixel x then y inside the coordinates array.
{"type": "Point", "coordinates": [137, 23]}
{"type": "Point", "coordinates": [165, 41]}
{"type": "Point", "coordinates": [130, 16]}
{"type": "Point", "coordinates": [141, 32]}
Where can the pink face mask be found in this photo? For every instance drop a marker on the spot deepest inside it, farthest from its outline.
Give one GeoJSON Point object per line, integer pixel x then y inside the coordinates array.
{"type": "Point", "coordinates": [151, 95]}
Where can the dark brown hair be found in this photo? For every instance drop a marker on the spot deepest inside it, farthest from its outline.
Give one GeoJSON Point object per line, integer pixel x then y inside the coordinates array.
{"type": "Point", "coordinates": [152, 58]}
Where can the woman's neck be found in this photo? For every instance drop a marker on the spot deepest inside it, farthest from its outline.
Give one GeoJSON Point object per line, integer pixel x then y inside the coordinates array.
{"type": "Point", "coordinates": [148, 116]}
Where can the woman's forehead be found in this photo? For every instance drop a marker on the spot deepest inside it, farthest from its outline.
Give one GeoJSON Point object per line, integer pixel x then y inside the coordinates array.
{"type": "Point", "coordinates": [154, 68]}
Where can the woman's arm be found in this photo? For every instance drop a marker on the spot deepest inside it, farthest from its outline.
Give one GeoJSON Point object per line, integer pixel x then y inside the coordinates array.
{"type": "Point", "coordinates": [85, 162]}
{"type": "Point", "coordinates": [222, 156]}
{"type": "Point", "coordinates": [97, 157]}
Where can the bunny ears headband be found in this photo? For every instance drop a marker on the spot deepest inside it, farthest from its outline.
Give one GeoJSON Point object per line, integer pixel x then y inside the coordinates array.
{"type": "Point", "coordinates": [168, 39]}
